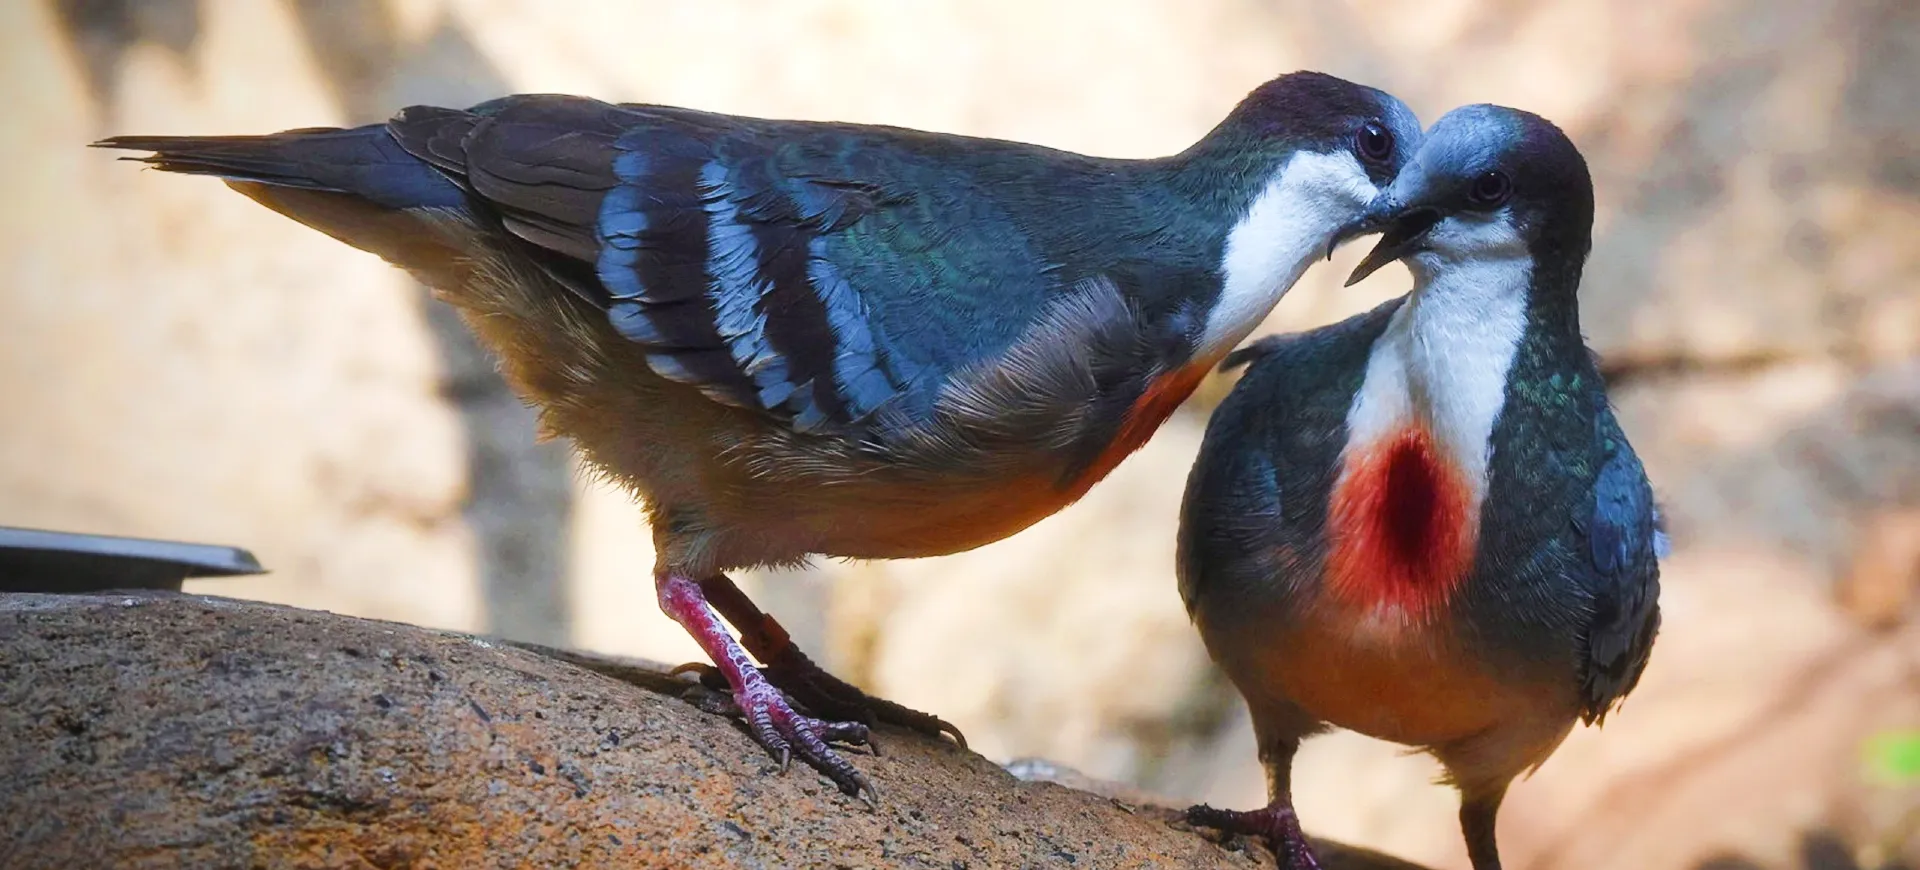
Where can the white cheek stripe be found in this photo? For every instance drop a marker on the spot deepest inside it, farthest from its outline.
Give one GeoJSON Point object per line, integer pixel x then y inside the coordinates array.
{"type": "Point", "coordinates": [1284, 231]}
{"type": "Point", "coordinates": [1444, 356]}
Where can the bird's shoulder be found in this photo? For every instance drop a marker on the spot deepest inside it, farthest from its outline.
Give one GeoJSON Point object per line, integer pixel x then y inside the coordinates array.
{"type": "Point", "coordinates": [1286, 369]}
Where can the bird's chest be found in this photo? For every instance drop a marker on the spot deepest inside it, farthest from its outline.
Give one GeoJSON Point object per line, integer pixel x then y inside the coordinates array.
{"type": "Point", "coordinates": [1378, 646]}
{"type": "Point", "coordinates": [1371, 640]}
{"type": "Point", "coordinates": [1377, 649]}
{"type": "Point", "coordinates": [1403, 515]}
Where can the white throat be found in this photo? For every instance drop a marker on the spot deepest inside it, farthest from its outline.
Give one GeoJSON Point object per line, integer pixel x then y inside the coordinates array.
{"type": "Point", "coordinates": [1284, 231]}
{"type": "Point", "coordinates": [1442, 361]}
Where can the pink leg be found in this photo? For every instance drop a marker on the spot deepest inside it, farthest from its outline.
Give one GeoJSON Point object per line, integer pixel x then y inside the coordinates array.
{"type": "Point", "coordinates": [773, 721]}
{"type": "Point", "coordinates": [803, 681]}
{"type": "Point", "coordinates": [1276, 823]}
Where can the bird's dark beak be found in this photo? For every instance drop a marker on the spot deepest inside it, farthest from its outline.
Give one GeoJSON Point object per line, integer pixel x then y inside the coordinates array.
{"type": "Point", "coordinates": [1405, 234]}
{"type": "Point", "coordinates": [1378, 214]}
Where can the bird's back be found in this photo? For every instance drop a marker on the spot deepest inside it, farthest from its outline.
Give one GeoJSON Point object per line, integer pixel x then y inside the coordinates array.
{"type": "Point", "coordinates": [818, 271]}
{"type": "Point", "coordinates": [814, 271]}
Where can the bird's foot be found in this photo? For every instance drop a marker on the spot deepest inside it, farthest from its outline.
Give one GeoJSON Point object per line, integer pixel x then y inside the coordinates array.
{"type": "Point", "coordinates": [787, 733]}
{"type": "Point", "coordinates": [806, 683]}
{"type": "Point", "coordinates": [771, 719]}
{"type": "Point", "coordinates": [828, 695]}
{"type": "Point", "coordinates": [823, 694]}
{"type": "Point", "coordinates": [1277, 824]}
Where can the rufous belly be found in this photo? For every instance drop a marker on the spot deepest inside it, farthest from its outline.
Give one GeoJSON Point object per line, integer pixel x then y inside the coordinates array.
{"type": "Point", "coordinates": [1404, 682]}
{"type": "Point", "coordinates": [930, 519]}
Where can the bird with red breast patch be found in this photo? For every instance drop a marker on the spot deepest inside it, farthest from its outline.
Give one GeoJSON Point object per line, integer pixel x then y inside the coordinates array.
{"type": "Point", "coordinates": [1424, 524]}
{"type": "Point", "coordinates": [795, 338]}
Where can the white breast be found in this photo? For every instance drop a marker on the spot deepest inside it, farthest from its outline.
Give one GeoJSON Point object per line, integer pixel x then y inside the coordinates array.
{"type": "Point", "coordinates": [1288, 227]}
{"type": "Point", "coordinates": [1442, 361]}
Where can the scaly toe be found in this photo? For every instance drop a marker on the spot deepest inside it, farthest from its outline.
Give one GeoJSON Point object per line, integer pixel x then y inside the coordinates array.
{"type": "Point", "coordinates": [914, 720]}
{"type": "Point", "coordinates": [823, 694]}
{"type": "Point", "coordinates": [787, 735]}
{"type": "Point", "coordinates": [1277, 826]}
{"type": "Point", "coordinates": [855, 733]}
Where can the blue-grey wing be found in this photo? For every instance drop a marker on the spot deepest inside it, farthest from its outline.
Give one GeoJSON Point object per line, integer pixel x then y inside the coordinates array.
{"type": "Point", "coordinates": [816, 272]}
{"type": "Point", "coordinates": [1625, 543]}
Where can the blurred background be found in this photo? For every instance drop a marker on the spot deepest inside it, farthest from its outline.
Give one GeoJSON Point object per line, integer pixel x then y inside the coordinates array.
{"type": "Point", "coordinates": [178, 362]}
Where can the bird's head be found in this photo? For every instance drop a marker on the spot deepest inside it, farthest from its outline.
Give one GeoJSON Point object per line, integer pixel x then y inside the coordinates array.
{"type": "Point", "coordinates": [1302, 156]}
{"type": "Point", "coordinates": [1487, 183]}
{"type": "Point", "coordinates": [1346, 141]}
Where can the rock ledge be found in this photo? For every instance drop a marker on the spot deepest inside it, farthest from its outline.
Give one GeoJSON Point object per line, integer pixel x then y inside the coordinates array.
{"type": "Point", "coordinates": [166, 730]}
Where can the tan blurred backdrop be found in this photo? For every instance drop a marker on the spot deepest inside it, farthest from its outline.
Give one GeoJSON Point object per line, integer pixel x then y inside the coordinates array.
{"type": "Point", "coordinates": [176, 361]}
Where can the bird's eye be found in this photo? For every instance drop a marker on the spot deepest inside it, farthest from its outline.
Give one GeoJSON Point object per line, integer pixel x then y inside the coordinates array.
{"type": "Point", "coordinates": [1490, 190]}
{"type": "Point", "coordinates": [1373, 143]}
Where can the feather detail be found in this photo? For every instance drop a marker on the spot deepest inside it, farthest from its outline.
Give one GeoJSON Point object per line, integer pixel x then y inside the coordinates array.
{"type": "Point", "coordinates": [1625, 543]}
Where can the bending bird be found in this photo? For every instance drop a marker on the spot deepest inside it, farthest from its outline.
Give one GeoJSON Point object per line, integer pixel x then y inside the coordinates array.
{"type": "Point", "coordinates": [792, 338]}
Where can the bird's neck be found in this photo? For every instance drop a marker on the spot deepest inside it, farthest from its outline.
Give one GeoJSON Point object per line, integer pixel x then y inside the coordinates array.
{"type": "Point", "coordinates": [1405, 510]}
{"type": "Point", "coordinates": [1442, 362]}
{"type": "Point", "coordinates": [1277, 221]}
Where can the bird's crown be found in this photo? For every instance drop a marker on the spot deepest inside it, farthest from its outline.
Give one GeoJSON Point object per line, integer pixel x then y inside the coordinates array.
{"type": "Point", "coordinates": [1493, 159]}
{"type": "Point", "coordinates": [1313, 111]}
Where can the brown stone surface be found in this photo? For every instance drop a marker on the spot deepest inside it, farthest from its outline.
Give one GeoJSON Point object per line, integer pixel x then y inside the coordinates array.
{"type": "Point", "coordinates": [161, 730]}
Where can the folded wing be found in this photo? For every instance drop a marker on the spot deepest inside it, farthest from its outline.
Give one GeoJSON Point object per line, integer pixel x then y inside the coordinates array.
{"type": "Point", "coordinates": [817, 272]}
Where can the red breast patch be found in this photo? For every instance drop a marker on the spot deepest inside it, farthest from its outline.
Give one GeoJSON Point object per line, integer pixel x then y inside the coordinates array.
{"type": "Point", "coordinates": [1400, 525]}
{"type": "Point", "coordinates": [1156, 403]}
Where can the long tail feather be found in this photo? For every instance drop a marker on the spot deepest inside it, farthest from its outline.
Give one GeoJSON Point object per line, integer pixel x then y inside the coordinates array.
{"type": "Point", "coordinates": [357, 185]}
{"type": "Point", "coordinates": [365, 162]}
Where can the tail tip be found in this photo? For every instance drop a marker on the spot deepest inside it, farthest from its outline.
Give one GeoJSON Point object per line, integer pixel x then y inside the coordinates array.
{"type": "Point", "coordinates": [126, 143]}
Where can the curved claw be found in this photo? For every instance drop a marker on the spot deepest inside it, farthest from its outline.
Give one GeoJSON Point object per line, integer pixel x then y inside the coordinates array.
{"type": "Point", "coordinates": [709, 676]}
{"type": "Point", "coordinates": [828, 695]}
{"type": "Point", "coordinates": [914, 720]}
{"type": "Point", "coordinates": [702, 668]}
